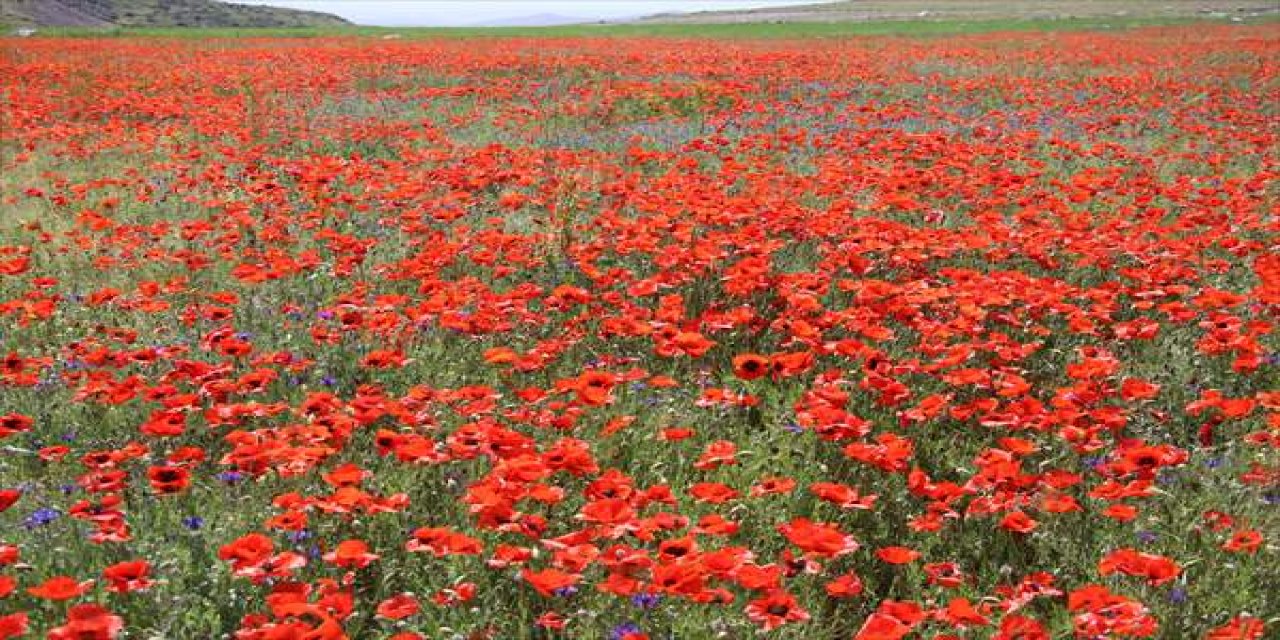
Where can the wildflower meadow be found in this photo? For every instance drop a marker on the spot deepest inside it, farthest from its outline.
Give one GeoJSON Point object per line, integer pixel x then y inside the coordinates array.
{"type": "Point", "coordinates": [631, 338]}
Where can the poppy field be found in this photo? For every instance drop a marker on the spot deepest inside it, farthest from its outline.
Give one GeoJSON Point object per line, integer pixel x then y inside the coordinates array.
{"type": "Point", "coordinates": [641, 338]}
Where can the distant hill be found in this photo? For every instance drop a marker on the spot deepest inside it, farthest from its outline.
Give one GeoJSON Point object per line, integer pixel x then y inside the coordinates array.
{"type": "Point", "coordinates": [870, 10]}
{"type": "Point", "coordinates": [537, 20]}
{"type": "Point", "coordinates": [155, 13]}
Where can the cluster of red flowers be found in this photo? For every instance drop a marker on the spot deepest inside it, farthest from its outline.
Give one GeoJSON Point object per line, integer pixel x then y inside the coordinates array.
{"type": "Point", "coordinates": [872, 339]}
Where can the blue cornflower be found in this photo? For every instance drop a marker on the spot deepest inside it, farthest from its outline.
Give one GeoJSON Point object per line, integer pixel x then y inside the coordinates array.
{"type": "Point", "coordinates": [646, 600]}
{"type": "Point", "coordinates": [41, 517]}
{"type": "Point", "coordinates": [194, 523]}
{"type": "Point", "coordinates": [623, 630]}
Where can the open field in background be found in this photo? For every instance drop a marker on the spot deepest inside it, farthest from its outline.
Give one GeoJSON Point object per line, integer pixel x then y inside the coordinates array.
{"type": "Point", "coordinates": [982, 10]}
{"type": "Point", "coordinates": [749, 25]}
{"type": "Point", "coordinates": [965, 336]}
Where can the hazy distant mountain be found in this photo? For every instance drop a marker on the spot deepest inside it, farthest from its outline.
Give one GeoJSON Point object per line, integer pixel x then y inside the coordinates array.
{"type": "Point", "coordinates": [536, 20]}
{"type": "Point", "coordinates": [156, 13]}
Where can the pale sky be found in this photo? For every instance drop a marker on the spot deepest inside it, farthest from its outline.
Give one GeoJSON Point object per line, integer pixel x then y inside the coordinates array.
{"type": "Point", "coordinates": [453, 13]}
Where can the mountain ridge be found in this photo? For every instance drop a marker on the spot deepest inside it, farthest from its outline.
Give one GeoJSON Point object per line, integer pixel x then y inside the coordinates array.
{"type": "Point", "coordinates": [535, 20]}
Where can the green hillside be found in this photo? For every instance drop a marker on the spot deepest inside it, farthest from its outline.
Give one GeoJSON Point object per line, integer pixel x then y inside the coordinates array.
{"type": "Point", "coordinates": [979, 10]}
{"type": "Point", "coordinates": [155, 13]}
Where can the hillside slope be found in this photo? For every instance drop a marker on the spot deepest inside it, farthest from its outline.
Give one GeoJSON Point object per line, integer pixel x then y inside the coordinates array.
{"type": "Point", "coordinates": [870, 10]}
{"type": "Point", "coordinates": [156, 13]}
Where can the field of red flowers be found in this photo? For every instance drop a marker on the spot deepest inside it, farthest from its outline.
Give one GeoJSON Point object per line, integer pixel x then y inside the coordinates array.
{"type": "Point", "coordinates": [878, 338]}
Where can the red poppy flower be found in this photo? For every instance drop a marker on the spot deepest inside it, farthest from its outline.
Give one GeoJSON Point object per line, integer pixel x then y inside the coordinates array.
{"type": "Point", "coordinates": [1239, 628]}
{"type": "Point", "coordinates": [14, 625]}
{"type": "Point", "coordinates": [458, 594]}
{"type": "Point", "coordinates": [8, 497]}
{"type": "Point", "coordinates": [398, 607]}
{"type": "Point", "coordinates": [384, 359]}
{"type": "Point", "coordinates": [247, 551]}
{"type": "Point", "coordinates": [88, 621]}
{"type": "Point", "coordinates": [125, 577]}
{"type": "Point", "coordinates": [750, 366]}
{"type": "Point", "coordinates": [548, 581]}
{"type": "Point", "coordinates": [347, 475]}
{"type": "Point", "coordinates": [595, 387]}
{"type": "Point", "coordinates": [14, 423]}
{"type": "Point", "coordinates": [713, 492]}
{"type": "Point", "coordinates": [442, 542]}
{"type": "Point", "coordinates": [60, 588]}
{"type": "Point", "coordinates": [1156, 569]}
{"type": "Point", "coordinates": [893, 620]}
{"type": "Point", "coordinates": [1248, 541]}
{"type": "Point", "coordinates": [821, 539]}
{"type": "Point", "coordinates": [960, 612]}
{"type": "Point", "coordinates": [775, 609]}
{"type": "Point", "coordinates": [1018, 627]}
{"type": "Point", "coordinates": [846, 586]}
{"type": "Point", "coordinates": [351, 554]}
{"type": "Point", "coordinates": [552, 620]}
{"type": "Point", "coordinates": [168, 480]}
{"type": "Point", "coordinates": [897, 555]}
{"type": "Point", "coordinates": [1018, 522]}
{"type": "Point", "coordinates": [944, 574]}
